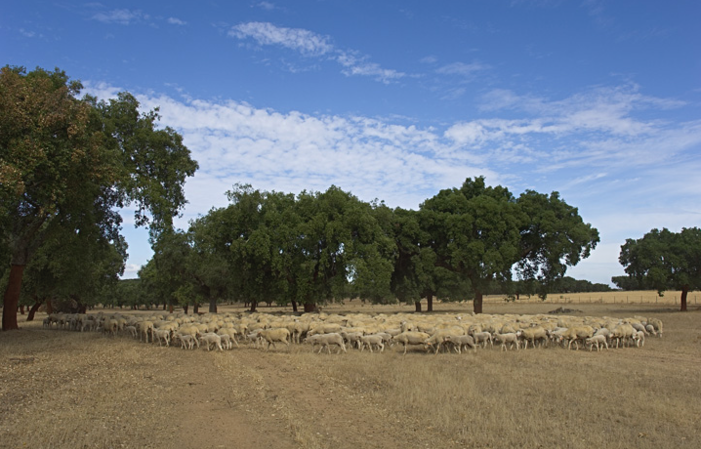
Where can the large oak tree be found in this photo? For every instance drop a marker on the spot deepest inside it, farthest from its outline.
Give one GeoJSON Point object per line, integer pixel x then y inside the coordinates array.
{"type": "Point", "coordinates": [63, 157]}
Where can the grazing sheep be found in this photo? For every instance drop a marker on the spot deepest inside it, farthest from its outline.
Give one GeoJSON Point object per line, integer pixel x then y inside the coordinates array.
{"type": "Point", "coordinates": [372, 340]}
{"type": "Point", "coordinates": [623, 333]}
{"type": "Point", "coordinates": [460, 342]}
{"type": "Point", "coordinates": [325, 341]}
{"type": "Point", "coordinates": [211, 339]}
{"type": "Point", "coordinates": [657, 325]}
{"type": "Point", "coordinates": [510, 338]}
{"type": "Point", "coordinates": [231, 333]}
{"type": "Point", "coordinates": [598, 341]}
{"type": "Point", "coordinates": [352, 338]}
{"type": "Point", "coordinates": [651, 330]}
{"type": "Point", "coordinates": [226, 340]}
{"type": "Point", "coordinates": [276, 335]}
{"type": "Point", "coordinates": [131, 330]}
{"type": "Point", "coordinates": [412, 338]}
{"type": "Point", "coordinates": [577, 333]}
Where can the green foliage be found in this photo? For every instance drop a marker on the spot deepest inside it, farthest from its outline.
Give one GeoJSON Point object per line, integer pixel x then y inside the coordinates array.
{"type": "Point", "coordinates": [665, 260]}
{"type": "Point", "coordinates": [67, 164]}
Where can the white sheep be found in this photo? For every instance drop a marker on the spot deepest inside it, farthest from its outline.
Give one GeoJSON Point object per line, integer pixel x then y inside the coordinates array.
{"type": "Point", "coordinates": [326, 341]}
{"type": "Point", "coordinates": [534, 335]}
{"type": "Point", "coordinates": [275, 335]}
{"type": "Point", "coordinates": [187, 341]}
{"type": "Point", "coordinates": [483, 337]}
{"type": "Point", "coordinates": [211, 339]}
{"type": "Point", "coordinates": [162, 335]}
{"type": "Point", "coordinates": [460, 342]}
{"type": "Point", "coordinates": [372, 340]}
{"type": "Point", "coordinates": [509, 338]}
{"type": "Point", "coordinates": [412, 338]}
{"type": "Point", "coordinates": [598, 341]}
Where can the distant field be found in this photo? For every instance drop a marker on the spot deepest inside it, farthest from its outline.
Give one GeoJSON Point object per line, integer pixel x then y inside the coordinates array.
{"type": "Point", "coordinates": [61, 389]}
{"type": "Point", "coordinates": [634, 297]}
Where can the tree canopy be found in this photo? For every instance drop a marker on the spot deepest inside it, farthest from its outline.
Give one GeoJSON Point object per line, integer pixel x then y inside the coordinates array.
{"type": "Point", "coordinates": [664, 260]}
{"type": "Point", "coordinates": [67, 164]}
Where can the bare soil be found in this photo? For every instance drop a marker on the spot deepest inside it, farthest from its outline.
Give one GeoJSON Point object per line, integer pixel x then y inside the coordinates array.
{"type": "Point", "coordinates": [61, 389]}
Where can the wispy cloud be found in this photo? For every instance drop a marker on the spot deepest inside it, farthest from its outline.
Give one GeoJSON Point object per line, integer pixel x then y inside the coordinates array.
{"type": "Point", "coordinates": [462, 69]}
{"type": "Point", "coordinates": [176, 21]}
{"type": "Point", "coordinates": [264, 33]}
{"type": "Point", "coordinates": [120, 16]}
{"type": "Point", "coordinates": [310, 44]}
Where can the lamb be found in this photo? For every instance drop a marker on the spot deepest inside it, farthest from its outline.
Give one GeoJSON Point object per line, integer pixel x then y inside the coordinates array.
{"type": "Point", "coordinates": [226, 340]}
{"type": "Point", "coordinates": [372, 340]}
{"type": "Point", "coordinates": [211, 339]}
{"type": "Point", "coordinates": [132, 331]}
{"type": "Point", "coordinates": [412, 338]}
{"type": "Point", "coordinates": [461, 341]}
{"type": "Point", "coordinates": [510, 338]}
{"type": "Point", "coordinates": [657, 325]}
{"type": "Point", "coordinates": [484, 338]}
{"type": "Point", "coordinates": [230, 332]}
{"type": "Point", "coordinates": [639, 338]}
{"type": "Point", "coordinates": [188, 341]}
{"type": "Point", "coordinates": [275, 335]}
{"type": "Point", "coordinates": [598, 341]}
{"type": "Point", "coordinates": [651, 329]}
{"type": "Point", "coordinates": [326, 340]}
{"type": "Point", "coordinates": [352, 338]}
{"type": "Point", "coordinates": [162, 334]}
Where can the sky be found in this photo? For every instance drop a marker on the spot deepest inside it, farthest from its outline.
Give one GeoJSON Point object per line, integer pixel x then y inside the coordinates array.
{"type": "Point", "coordinates": [397, 99]}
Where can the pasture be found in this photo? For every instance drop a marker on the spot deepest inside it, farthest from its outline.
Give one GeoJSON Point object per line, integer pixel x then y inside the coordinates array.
{"type": "Point", "coordinates": [62, 389]}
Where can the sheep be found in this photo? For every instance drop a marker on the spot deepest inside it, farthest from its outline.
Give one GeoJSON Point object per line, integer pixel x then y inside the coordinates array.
{"type": "Point", "coordinates": [211, 339]}
{"type": "Point", "coordinates": [162, 334]}
{"type": "Point", "coordinates": [484, 338]}
{"type": "Point", "coordinates": [411, 338]}
{"type": "Point", "coordinates": [651, 330]}
{"type": "Point", "coordinates": [187, 341]}
{"type": "Point", "coordinates": [534, 334]}
{"type": "Point", "coordinates": [596, 340]}
{"type": "Point", "coordinates": [325, 341]}
{"type": "Point", "coordinates": [461, 341]}
{"type": "Point", "coordinates": [639, 338]}
{"type": "Point", "coordinates": [576, 333]}
{"type": "Point", "coordinates": [438, 338]}
{"type": "Point", "coordinates": [226, 340]}
{"type": "Point", "coordinates": [145, 329]}
{"type": "Point", "coordinates": [622, 333]}
{"type": "Point", "coordinates": [657, 325]}
{"type": "Point", "coordinates": [372, 340]}
{"type": "Point", "coordinates": [279, 335]}
{"type": "Point", "coordinates": [352, 338]}
{"type": "Point", "coordinates": [231, 333]}
{"type": "Point", "coordinates": [511, 338]}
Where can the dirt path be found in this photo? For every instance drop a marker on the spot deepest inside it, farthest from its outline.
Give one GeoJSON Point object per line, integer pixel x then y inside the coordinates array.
{"type": "Point", "coordinates": [254, 398]}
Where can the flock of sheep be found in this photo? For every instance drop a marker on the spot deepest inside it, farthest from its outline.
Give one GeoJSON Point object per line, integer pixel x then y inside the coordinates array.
{"type": "Point", "coordinates": [434, 332]}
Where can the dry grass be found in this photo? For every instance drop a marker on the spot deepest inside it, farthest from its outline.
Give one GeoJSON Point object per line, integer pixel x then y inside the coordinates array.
{"type": "Point", "coordinates": [62, 389]}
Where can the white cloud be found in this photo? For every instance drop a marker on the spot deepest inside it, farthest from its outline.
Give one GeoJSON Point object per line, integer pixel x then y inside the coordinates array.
{"type": "Point", "coordinates": [311, 44]}
{"type": "Point", "coordinates": [176, 21]}
{"type": "Point", "coordinates": [462, 69]}
{"type": "Point", "coordinates": [120, 16]}
{"type": "Point", "coordinates": [304, 41]}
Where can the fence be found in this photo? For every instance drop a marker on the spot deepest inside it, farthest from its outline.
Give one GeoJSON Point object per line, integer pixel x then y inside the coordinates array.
{"type": "Point", "coordinates": [635, 297]}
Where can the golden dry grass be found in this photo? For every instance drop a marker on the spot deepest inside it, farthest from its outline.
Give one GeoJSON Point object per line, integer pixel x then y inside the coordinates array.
{"type": "Point", "coordinates": [62, 389]}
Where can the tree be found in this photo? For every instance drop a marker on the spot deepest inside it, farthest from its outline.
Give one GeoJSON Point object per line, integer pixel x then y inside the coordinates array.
{"type": "Point", "coordinates": [665, 260]}
{"type": "Point", "coordinates": [70, 163]}
{"type": "Point", "coordinates": [484, 233]}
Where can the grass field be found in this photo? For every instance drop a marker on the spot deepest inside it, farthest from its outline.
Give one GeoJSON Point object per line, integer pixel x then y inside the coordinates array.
{"type": "Point", "coordinates": [61, 389]}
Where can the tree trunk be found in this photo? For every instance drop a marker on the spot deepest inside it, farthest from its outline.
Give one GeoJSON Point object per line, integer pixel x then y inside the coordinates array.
{"type": "Point", "coordinates": [37, 303]}
{"type": "Point", "coordinates": [294, 306]}
{"type": "Point", "coordinates": [212, 305]}
{"type": "Point", "coordinates": [477, 306]}
{"type": "Point", "coordinates": [196, 308]}
{"type": "Point", "coordinates": [164, 305]}
{"type": "Point", "coordinates": [254, 304]}
{"type": "Point", "coordinates": [11, 298]}
{"type": "Point", "coordinates": [170, 308]}
{"type": "Point", "coordinates": [417, 306]}
{"type": "Point", "coordinates": [685, 290]}
{"type": "Point", "coordinates": [429, 303]}
{"type": "Point", "coordinates": [185, 308]}
{"type": "Point", "coordinates": [21, 309]}
{"type": "Point", "coordinates": [309, 307]}
{"type": "Point", "coordinates": [49, 306]}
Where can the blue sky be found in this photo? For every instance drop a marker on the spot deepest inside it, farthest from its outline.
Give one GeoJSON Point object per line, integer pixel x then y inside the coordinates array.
{"type": "Point", "coordinates": [395, 100]}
